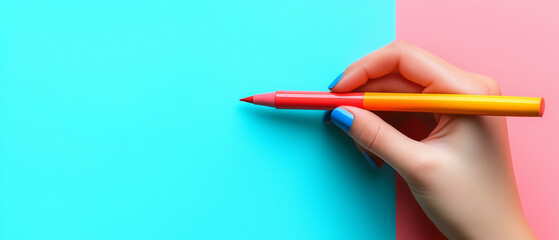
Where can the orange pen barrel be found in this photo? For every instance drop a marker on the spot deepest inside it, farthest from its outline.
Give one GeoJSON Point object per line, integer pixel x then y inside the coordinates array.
{"type": "Point", "coordinates": [455, 104]}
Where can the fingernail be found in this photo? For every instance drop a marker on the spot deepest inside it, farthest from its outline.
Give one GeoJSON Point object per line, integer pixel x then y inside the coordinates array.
{"type": "Point", "coordinates": [333, 84]}
{"type": "Point", "coordinates": [371, 161]}
{"type": "Point", "coordinates": [326, 116]}
{"type": "Point", "coordinates": [342, 118]}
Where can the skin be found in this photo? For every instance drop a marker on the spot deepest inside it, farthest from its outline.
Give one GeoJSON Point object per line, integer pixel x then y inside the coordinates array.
{"type": "Point", "coordinates": [461, 174]}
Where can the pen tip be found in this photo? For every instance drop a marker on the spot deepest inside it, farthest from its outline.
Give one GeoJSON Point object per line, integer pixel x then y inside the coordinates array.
{"type": "Point", "coordinates": [247, 99]}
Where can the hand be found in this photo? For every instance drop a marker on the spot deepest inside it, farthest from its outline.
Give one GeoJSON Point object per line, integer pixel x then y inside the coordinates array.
{"type": "Point", "coordinates": [461, 174]}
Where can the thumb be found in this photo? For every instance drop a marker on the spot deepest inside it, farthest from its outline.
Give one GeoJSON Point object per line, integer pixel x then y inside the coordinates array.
{"type": "Point", "coordinates": [379, 137]}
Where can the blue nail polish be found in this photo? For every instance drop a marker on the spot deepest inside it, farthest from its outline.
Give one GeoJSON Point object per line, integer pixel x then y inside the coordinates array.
{"type": "Point", "coordinates": [371, 161]}
{"type": "Point", "coordinates": [342, 118]}
{"type": "Point", "coordinates": [326, 116]}
{"type": "Point", "coordinates": [333, 84]}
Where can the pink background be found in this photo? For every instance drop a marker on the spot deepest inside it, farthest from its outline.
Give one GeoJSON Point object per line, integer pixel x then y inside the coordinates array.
{"type": "Point", "coordinates": [516, 43]}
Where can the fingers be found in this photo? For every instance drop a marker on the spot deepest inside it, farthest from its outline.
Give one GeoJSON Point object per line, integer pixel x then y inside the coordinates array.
{"type": "Point", "coordinates": [377, 136]}
{"type": "Point", "coordinates": [415, 65]}
{"type": "Point", "coordinates": [374, 161]}
{"type": "Point", "coordinates": [392, 82]}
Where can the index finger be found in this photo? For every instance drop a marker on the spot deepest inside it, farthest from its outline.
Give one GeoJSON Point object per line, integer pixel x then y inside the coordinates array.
{"type": "Point", "coordinates": [414, 64]}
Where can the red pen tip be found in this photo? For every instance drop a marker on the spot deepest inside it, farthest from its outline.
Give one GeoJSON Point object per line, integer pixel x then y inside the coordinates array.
{"type": "Point", "coordinates": [247, 99]}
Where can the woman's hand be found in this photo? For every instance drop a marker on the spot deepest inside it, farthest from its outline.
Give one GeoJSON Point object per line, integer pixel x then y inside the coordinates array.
{"type": "Point", "coordinates": [461, 174]}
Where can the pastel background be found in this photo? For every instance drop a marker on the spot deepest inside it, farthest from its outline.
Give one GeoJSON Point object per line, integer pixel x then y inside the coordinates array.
{"type": "Point", "coordinates": [514, 42]}
{"type": "Point", "coordinates": [121, 120]}
{"type": "Point", "coordinates": [106, 131]}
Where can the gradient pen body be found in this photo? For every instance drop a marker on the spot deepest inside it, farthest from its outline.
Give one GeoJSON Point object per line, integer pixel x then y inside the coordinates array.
{"type": "Point", "coordinates": [404, 102]}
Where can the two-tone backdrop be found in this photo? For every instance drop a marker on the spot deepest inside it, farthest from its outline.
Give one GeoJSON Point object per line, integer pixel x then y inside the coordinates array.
{"type": "Point", "coordinates": [121, 119]}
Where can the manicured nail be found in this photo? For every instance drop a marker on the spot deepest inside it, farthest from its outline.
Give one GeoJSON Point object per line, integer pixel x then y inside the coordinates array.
{"type": "Point", "coordinates": [342, 118]}
{"type": "Point", "coordinates": [333, 84]}
{"type": "Point", "coordinates": [326, 116]}
{"type": "Point", "coordinates": [371, 161]}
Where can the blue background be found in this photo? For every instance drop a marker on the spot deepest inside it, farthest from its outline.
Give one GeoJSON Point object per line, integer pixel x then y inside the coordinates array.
{"type": "Point", "coordinates": [121, 120]}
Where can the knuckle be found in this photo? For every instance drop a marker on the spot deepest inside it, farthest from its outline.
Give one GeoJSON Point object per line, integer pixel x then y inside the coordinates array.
{"type": "Point", "coordinates": [493, 86]}
{"type": "Point", "coordinates": [399, 44]}
{"type": "Point", "coordinates": [422, 166]}
{"type": "Point", "coordinates": [352, 67]}
{"type": "Point", "coordinates": [486, 85]}
{"type": "Point", "coordinates": [369, 136]}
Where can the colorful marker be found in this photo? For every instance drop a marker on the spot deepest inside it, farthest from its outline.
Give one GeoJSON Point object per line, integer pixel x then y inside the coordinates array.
{"type": "Point", "coordinates": [404, 102]}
